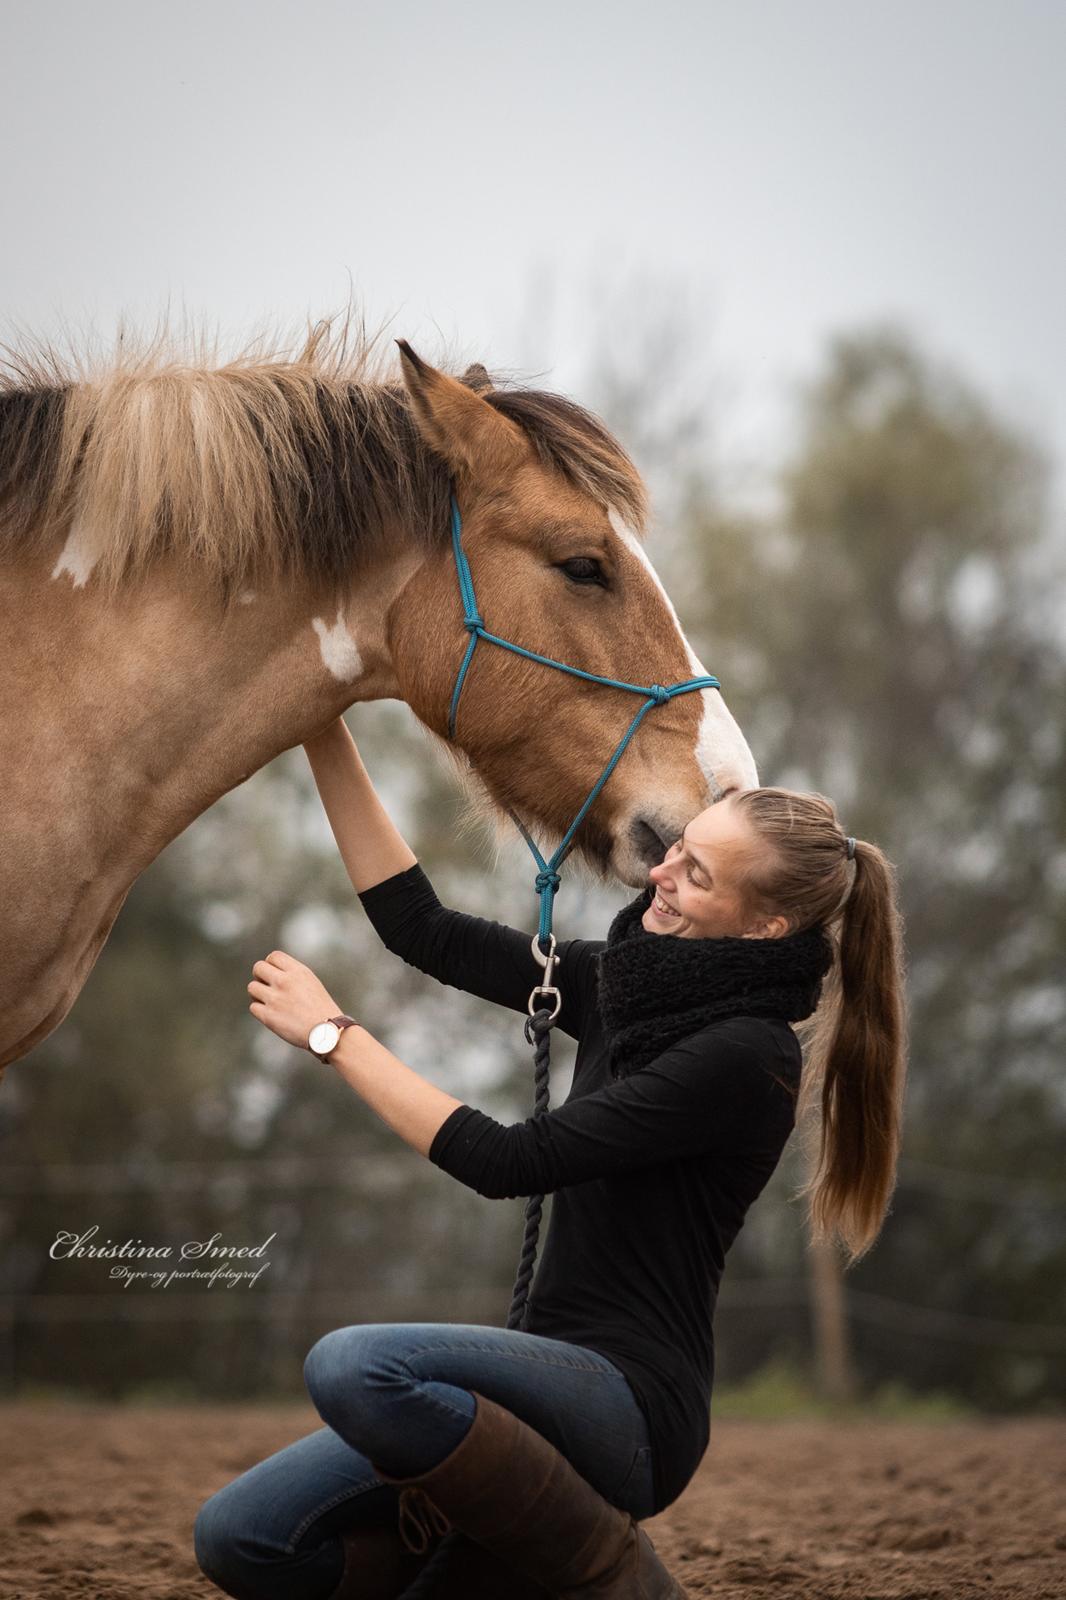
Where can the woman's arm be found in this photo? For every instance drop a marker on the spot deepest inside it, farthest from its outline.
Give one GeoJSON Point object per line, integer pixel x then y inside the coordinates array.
{"type": "Point", "coordinates": [711, 1094]}
{"type": "Point", "coordinates": [475, 954]}
{"type": "Point", "coordinates": [370, 844]}
{"type": "Point", "coordinates": [479, 956]}
{"type": "Point", "coordinates": [408, 1103]}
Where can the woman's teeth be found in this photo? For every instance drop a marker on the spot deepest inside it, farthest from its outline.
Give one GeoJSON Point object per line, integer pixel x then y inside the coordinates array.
{"type": "Point", "coordinates": [662, 908]}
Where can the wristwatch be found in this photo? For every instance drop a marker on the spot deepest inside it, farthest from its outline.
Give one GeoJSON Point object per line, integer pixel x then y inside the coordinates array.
{"type": "Point", "coordinates": [325, 1036]}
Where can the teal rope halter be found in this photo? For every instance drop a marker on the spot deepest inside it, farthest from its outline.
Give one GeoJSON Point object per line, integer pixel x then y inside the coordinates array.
{"type": "Point", "coordinates": [547, 879]}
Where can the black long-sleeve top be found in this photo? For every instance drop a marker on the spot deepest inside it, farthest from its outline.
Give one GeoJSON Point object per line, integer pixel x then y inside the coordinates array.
{"type": "Point", "coordinates": [652, 1174]}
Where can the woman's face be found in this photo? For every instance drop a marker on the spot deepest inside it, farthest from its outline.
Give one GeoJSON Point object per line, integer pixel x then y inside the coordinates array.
{"type": "Point", "coordinates": [694, 893]}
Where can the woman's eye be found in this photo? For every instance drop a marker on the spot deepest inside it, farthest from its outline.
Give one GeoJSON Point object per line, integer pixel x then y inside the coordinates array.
{"type": "Point", "coordinates": [584, 569]}
{"type": "Point", "coordinates": [689, 874]}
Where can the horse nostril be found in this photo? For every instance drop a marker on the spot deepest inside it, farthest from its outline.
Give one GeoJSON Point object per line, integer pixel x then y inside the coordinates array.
{"type": "Point", "coordinates": [649, 845]}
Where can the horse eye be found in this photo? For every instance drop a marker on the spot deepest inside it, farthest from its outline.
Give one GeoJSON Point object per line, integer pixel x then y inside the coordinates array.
{"type": "Point", "coordinates": [584, 569]}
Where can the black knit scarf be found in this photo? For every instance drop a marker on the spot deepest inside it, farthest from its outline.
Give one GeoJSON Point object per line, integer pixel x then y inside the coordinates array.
{"type": "Point", "coordinates": [656, 988]}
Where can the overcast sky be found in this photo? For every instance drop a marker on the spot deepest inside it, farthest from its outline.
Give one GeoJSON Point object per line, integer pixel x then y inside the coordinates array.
{"type": "Point", "coordinates": [500, 176]}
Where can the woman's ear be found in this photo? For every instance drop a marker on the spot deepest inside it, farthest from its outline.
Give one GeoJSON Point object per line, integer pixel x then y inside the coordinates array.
{"type": "Point", "coordinates": [769, 928]}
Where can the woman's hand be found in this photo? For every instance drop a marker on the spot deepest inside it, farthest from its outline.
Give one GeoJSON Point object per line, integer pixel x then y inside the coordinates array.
{"type": "Point", "coordinates": [288, 999]}
{"type": "Point", "coordinates": [334, 736]}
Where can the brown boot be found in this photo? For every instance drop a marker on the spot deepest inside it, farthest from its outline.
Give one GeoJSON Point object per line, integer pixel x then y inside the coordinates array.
{"type": "Point", "coordinates": [474, 1573]}
{"type": "Point", "coordinates": [378, 1565]}
{"type": "Point", "coordinates": [506, 1487]}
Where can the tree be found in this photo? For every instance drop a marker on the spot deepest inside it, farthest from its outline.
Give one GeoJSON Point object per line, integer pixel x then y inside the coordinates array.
{"type": "Point", "coordinates": [889, 639]}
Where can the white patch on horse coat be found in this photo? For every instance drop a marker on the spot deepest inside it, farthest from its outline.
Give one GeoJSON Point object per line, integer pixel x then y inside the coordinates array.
{"type": "Point", "coordinates": [77, 556]}
{"type": "Point", "coordinates": [721, 749]}
{"type": "Point", "coordinates": [340, 653]}
{"type": "Point", "coordinates": [246, 598]}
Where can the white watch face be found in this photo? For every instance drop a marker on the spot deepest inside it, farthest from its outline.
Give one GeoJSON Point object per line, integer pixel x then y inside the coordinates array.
{"type": "Point", "coordinates": [323, 1037]}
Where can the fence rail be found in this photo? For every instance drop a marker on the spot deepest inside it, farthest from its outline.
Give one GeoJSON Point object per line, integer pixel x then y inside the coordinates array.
{"type": "Point", "coordinates": [373, 1167]}
{"type": "Point", "coordinates": [483, 1304]}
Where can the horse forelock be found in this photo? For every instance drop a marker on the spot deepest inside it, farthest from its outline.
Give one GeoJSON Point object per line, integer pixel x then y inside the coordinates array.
{"type": "Point", "coordinates": [266, 465]}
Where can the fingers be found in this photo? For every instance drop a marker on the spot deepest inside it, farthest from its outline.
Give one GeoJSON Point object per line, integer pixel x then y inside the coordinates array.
{"type": "Point", "coordinates": [274, 964]}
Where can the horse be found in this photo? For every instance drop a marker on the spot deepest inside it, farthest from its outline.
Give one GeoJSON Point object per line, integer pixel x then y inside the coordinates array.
{"type": "Point", "coordinates": [204, 561]}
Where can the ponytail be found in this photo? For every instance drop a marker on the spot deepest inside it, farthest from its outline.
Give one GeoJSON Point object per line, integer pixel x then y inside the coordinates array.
{"type": "Point", "coordinates": [856, 1066]}
{"type": "Point", "coordinates": [855, 1045]}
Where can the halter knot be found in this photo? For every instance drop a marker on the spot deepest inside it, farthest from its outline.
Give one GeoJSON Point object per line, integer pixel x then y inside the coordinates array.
{"type": "Point", "coordinates": [659, 694]}
{"type": "Point", "coordinates": [542, 880]}
{"type": "Point", "coordinates": [473, 624]}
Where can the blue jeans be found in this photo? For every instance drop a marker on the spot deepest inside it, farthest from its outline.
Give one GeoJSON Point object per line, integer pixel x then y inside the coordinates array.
{"type": "Point", "coordinates": [398, 1394]}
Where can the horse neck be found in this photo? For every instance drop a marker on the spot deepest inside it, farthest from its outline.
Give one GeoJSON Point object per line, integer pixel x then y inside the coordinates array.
{"type": "Point", "coordinates": [126, 716]}
{"type": "Point", "coordinates": [155, 695]}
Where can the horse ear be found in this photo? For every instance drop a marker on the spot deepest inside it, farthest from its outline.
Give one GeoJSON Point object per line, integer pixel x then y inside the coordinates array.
{"type": "Point", "coordinates": [476, 377]}
{"type": "Point", "coordinates": [470, 434]}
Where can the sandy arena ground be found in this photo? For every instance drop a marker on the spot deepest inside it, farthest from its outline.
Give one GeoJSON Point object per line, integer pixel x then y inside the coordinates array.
{"type": "Point", "coordinates": [98, 1504]}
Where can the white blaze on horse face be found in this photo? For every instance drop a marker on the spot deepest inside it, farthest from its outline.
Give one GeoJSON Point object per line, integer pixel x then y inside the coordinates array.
{"type": "Point", "coordinates": [721, 748]}
{"type": "Point", "coordinates": [77, 556]}
{"type": "Point", "coordinates": [340, 653]}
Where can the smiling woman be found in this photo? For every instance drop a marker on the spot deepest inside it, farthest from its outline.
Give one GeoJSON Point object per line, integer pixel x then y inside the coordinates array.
{"type": "Point", "coordinates": [683, 1098]}
{"type": "Point", "coordinates": [698, 883]}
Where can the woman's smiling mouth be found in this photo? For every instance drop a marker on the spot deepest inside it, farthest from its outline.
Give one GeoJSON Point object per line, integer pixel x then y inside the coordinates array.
{"type": "Point", "coordinates": [660, 907]}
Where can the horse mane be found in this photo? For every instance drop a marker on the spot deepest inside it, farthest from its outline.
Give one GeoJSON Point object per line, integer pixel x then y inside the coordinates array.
{"type": "Point", "coordinates": [259, 467]}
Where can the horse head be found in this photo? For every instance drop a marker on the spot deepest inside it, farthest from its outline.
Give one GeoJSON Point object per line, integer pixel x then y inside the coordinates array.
{"type": "Point", "coordinates": [553, 539]}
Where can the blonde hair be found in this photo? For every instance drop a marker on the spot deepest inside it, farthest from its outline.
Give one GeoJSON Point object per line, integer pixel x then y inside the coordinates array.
{"type": "Point", "coordinates": [855, 1043]}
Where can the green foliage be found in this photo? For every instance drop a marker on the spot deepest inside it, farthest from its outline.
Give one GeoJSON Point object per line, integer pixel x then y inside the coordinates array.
{"type": "Point", "coordinates": [780, 1390]}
